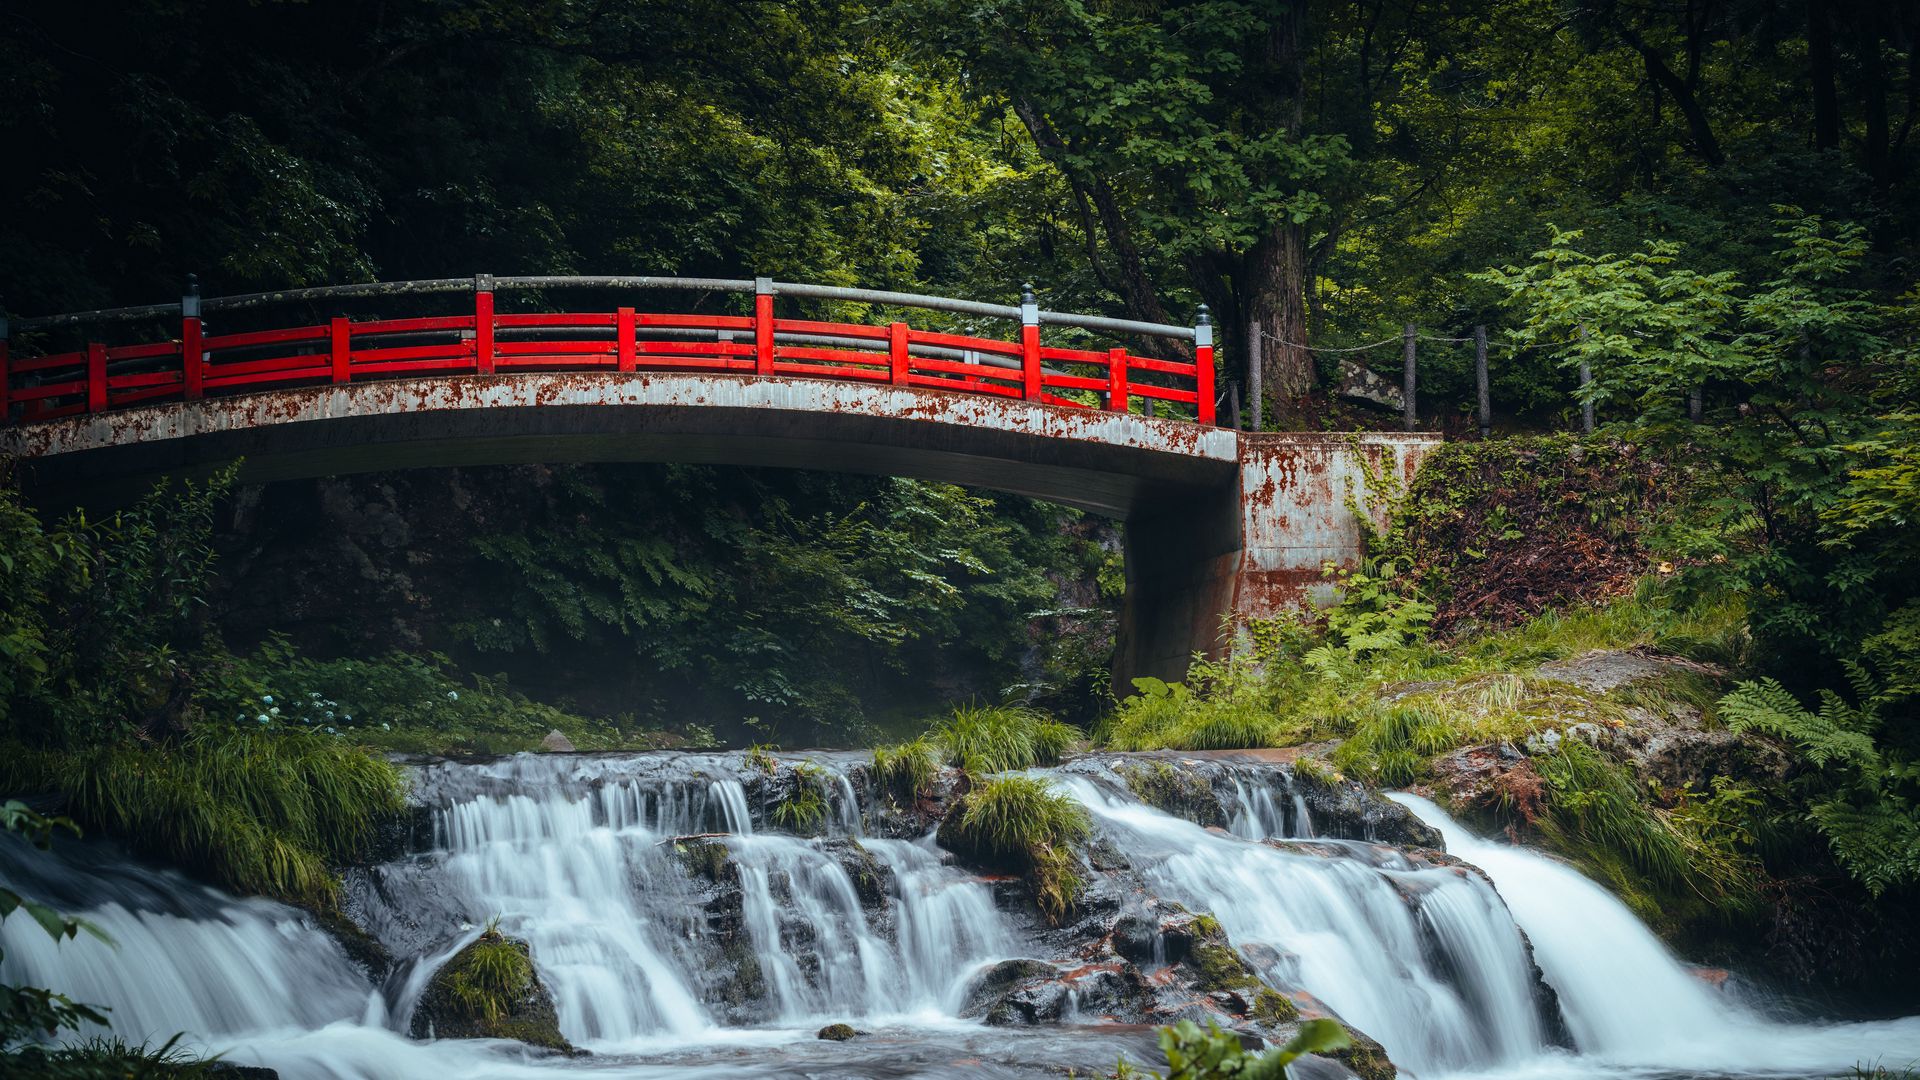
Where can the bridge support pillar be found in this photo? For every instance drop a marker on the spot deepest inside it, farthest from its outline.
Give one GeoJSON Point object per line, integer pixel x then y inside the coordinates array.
{"type": "Point", "coordinates": [1199, 570]}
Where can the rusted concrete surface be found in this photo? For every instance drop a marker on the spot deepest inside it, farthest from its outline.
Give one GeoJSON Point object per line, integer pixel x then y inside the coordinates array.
{"type": "Point", "coordinates": [1298, 494]}
{"type": "Point", "coordinates": [1221, 526]}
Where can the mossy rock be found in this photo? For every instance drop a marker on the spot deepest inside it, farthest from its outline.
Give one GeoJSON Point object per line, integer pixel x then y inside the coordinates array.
{"type": "Point", "coordinates": [490, 990]}
{"type": "Point", "coordinates": [1179, 792]}
{"type": "Point", "coordinates": [836, 1032]}
{"type": "Point", "coordinates": [703, 858]}
{"type": "Point", "coordinates": [1366, 1058]}
{"type": "Point", "coordinates": [748, 983]}
{"type": "Point", "coordinates": [1270, 1006]}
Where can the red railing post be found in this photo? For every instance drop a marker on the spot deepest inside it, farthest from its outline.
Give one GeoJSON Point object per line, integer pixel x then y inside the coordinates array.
{"type": "Point", "coordinates": [483, 323]}
{"type": "Point", "coordinates": [193, 362]}
{"type": "Point", "coordinates": [623, 339]}
{"type": "Point", "coordinates": [340, 346]}
{"type": "Point", "coordinates": [897, 351]}
{"type": "Point", "coordinates": [1117, 380]}
{"type": "Point", "coordinates": [1030, 342]}
{"type": "Point", "coordinates": [96, 377]}
{"type": "Point", "coordinates": [763, 326]}
{"type": "Point", "coordinates": [1203, 366]}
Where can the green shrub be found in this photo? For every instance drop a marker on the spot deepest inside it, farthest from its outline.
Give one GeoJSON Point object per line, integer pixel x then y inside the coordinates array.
{"type": "Point", "coordinates": [266, 812]}
{"type": "Point", "coordinates": [409, 703]}
{"type": "Point", "coordinates": [1194, 1053]}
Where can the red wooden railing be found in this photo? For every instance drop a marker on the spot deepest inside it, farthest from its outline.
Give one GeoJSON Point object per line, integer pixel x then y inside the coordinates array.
{"type": "Point", "coordinates": [197, 364]}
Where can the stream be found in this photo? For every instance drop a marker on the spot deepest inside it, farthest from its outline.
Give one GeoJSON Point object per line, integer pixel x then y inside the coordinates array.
{"type": "Point", "coordinates": [576, 855]}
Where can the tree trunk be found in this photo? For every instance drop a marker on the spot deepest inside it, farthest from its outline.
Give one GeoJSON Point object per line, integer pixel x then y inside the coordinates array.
{"type": "Point", "coordinates": [1826, 100]}
{"type": "Point", "coordinates": [1274, 279]}
{"type": "Point", "coordinates": [1274, 290]}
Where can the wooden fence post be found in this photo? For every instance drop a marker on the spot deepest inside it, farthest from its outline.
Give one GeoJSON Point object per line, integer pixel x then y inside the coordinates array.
{"type": "Point", "coordinates": [898, 359]}
{"type": "Point", "coordinates": [1586, 381]}
{"type": "Point", "coordinates": [1410, 417]}
{"type": "Point", "coordinates": [96, 377]}
{"type": "Point", "coordinates": [340, 347]}
{"type": "Point", "coordinates": [1480, 380]}
{"type": "Point", "coordinates": [483, 323]}
{"type": "Point", "coordinates": [1256, 359]}
{"type": "Point", "coordinates": [1203, 370]}
{"type": "Point", "coordinates": [1117, 380]}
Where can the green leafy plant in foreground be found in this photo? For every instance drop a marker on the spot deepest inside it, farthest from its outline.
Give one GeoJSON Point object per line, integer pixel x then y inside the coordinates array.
{"type": "Point", "coordinates": [906, 771]}
{"type": "Point", "coordinates": [1194, 1053]}
{"type": "Point", "coordinates": [1002, 738]}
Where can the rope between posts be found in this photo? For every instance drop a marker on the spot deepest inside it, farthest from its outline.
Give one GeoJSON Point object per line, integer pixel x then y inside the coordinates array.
{"type": "Point", "coordinates": [1315, 348]}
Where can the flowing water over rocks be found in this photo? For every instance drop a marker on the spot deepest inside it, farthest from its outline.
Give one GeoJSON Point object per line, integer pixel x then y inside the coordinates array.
{"type": "Point", "coordinates": [679, 934]}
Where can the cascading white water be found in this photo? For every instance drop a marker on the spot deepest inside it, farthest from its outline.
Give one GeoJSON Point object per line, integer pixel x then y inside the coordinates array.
{"type": "Point", "coordinates": [576, 855]}
{"type": "Point", "coordinates": [945, 924]}
{"type": "Point", "coordinates": [1627, 1001]}
{"type": "Point", "coordinates": [1346, 935]}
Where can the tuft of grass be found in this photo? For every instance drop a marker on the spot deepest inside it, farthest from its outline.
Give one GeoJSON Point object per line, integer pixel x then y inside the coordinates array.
{"type": "Point", "coordinates": [986, 739]}
{"type": "Point", "coordinates": [490, 976]}
{"type": "Point", "coordinates": [1020, 821]}
{"type": "Point", "coordinates": [760, 758]}
{"type": "Point", "coordinates": [906, 771]}
{"type": "Point", "coordinates": [1393, 745]}
{"type": "Point", "coordinates": [803, 808]}
{"type": "Point", "coordinates": [104, 1056]}
{"type": "Point", "coordinates": [262, 812]}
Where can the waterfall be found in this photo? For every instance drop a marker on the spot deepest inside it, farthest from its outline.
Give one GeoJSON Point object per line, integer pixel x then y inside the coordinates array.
{"type": "Point", "coordinates": [1444, 983]}
{"type": "Point", "coordinates": [587, 858]}
{"type": "Point", "coordinates": [1627, 1000]}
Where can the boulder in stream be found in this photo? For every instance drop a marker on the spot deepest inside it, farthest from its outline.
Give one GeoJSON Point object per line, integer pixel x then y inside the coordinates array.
{"type": "Point", "coordinates": [490, 990]}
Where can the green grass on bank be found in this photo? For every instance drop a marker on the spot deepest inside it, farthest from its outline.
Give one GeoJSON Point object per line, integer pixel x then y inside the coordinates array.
{"type": "Point", "coordinates": [267, 812]}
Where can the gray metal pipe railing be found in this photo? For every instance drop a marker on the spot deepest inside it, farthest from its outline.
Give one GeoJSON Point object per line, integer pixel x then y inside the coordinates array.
{"type": "Point", "coordinates": [429, 286]}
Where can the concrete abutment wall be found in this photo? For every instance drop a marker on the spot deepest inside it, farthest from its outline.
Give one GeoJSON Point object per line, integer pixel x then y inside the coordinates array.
{"type": "Point", "coordinates": [1200, 568]}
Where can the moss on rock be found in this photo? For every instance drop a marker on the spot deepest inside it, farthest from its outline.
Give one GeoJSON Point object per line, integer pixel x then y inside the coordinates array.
{"type": "Point", "coordinates": [490, 990]}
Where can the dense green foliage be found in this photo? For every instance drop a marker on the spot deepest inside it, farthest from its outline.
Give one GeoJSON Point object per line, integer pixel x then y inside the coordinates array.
{"type": "Point", "coordinates": [772, 605]}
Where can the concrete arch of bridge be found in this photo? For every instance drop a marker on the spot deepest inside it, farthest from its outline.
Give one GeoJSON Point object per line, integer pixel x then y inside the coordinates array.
{"type": "Point", "coordinates": [1218, 524]}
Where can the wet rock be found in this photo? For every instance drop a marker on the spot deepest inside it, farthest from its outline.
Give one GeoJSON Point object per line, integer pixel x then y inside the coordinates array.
{"type": "Point", "coordinates": [836, 1032]}
{"type": "Point", "coordinates": [227, 1070]}
{"type": "Point", "coordinates": [556, 742]}
{"type": "Point", "coordinates": [1182, 792]}
{"type": "Point", "coordinates": [1347, 810]}
{"type": "Point", "coordinates": [1367, 1058]}
{"type": "Point", "coordinates": [997, 981]}
{"type": "Point", "coordinates": [1603, 670]}
{"type": "Point", "coordinates": [490, 990]}
{"type": "Point", "coordinates": [872, 881]}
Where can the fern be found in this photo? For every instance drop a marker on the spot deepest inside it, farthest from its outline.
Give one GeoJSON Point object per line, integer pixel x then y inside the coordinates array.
{"type": "Point", "coordinates": [1866, 806]}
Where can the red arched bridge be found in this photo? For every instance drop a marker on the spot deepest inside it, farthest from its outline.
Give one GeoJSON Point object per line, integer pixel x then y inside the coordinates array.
{"type": "Point", "coordinates": [1111, 415]}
